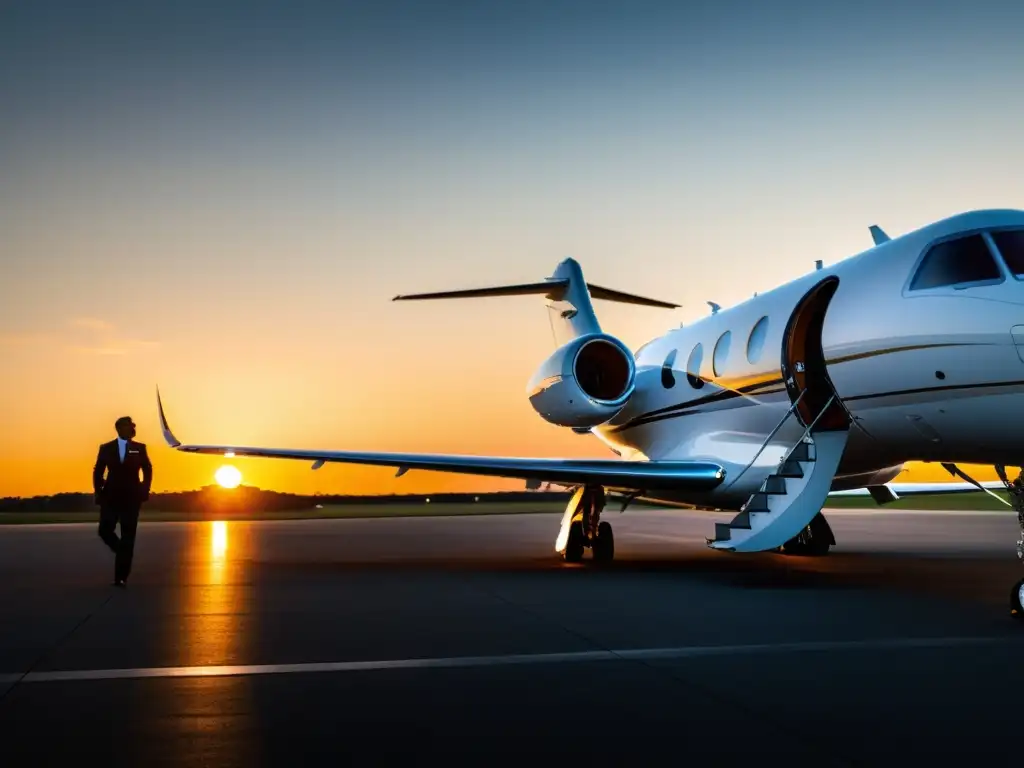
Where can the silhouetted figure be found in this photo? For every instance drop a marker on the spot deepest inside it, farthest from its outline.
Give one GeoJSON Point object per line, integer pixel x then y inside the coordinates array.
{"type": "Point", "coordinates": [121, 494]}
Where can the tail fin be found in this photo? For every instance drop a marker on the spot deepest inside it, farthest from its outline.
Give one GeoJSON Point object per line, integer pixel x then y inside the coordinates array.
{"type": "Point", "coordinates": [568, 291]}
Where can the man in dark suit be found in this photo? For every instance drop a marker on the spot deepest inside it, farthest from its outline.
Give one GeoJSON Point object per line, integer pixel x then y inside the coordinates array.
{"type": "Point", "coordinates": [121, 494]}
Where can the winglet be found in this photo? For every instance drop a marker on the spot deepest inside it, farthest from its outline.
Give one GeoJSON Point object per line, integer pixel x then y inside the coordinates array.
{"type": "Point", "coordinates": [878, 235]}
{"type": "Point", "coordinates": [168, 435]}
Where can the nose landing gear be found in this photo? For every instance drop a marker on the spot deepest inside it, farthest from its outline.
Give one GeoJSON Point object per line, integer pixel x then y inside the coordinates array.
{"type": "Point", "coordinates": [1016, 491]}
{"type": "Point", "coordinates": [1017, 596]}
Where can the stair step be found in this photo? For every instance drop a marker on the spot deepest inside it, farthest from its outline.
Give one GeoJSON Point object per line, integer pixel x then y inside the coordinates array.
{"type": "Point", "coordinates": [787, 514]}
{"type": "Point", "coordinates": [722, 532]}
{"type": "Point", "coordinates": [742, 520]}
{"type": "Point", "coordinates": [757, 503]}
{"type": "Point", "coordinates": [791, 468]}
{"type": "Point", "coordinates": [803, 452]}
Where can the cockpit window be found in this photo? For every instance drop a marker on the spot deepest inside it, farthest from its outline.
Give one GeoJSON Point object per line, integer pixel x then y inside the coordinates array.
{"type": "Point", "coordinates": [1011, 246]}
{"type": "Point", "coordinates": [954, 262]}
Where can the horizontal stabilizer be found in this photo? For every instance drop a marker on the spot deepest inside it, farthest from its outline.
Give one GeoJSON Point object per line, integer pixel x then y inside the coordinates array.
{"type": "Point", "coordinates": [552, 289]}
{"type": "Point", "coordinates": [597, 292]}
{"type": "Point", "coordinates": [613, 474]}
{"type": "Point", "coordinates": [566, 285]}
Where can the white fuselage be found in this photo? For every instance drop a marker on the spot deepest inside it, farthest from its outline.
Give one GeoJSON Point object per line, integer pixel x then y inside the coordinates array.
{"type": "Point", "coordinates": [928, 374]}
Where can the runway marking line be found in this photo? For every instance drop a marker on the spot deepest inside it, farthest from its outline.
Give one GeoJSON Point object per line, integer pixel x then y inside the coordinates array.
{"type": "Point", "coordinates": [634, 654]}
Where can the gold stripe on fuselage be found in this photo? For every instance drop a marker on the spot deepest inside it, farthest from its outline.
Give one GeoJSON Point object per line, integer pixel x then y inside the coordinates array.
{"type": "Point", "coordinates": [747, 386]}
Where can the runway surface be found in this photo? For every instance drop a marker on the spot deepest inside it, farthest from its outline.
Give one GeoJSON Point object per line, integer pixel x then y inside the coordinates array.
{"type": "Point", "coordinates": [467, 639]}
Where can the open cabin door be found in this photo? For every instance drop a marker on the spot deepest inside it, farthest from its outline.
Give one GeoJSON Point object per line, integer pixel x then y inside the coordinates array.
{"type": "Point", "coordinates": [784, 508]}
{"type": "Point", "coordinates": [803, 362]}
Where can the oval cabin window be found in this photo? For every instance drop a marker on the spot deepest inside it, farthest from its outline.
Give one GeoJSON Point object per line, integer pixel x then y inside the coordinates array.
{"type": "Point", "coordinates": [721, 353]}
{"type": "Point", "coordinates": [668, 377]}
{"type": "Point", "coordinates": [693, 367]}
{"type": "Point", "coordinates": [755, 344]}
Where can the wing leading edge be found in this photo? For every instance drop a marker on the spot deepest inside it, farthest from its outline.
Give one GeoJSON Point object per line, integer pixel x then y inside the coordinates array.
{"type": "Point", "coordinates": [615, 474]}
{"type": "Point", "coordinates": [924, 489]}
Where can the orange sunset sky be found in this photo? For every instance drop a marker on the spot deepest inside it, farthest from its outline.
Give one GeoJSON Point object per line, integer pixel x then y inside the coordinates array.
{"type": "Point", "coordinates": [228, 214]}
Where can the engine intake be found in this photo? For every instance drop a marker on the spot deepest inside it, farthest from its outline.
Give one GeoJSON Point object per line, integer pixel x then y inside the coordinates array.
{"type": "Point", "coordinates": [584, 383]}
{"type": "Point", "coordinates": [603, 371]}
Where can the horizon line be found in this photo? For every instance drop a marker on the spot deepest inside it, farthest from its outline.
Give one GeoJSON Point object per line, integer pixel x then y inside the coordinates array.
{"type": "Point", "coordinates": [216, 487]}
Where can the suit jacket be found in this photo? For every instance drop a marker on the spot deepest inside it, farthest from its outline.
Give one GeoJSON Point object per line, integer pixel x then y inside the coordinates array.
{"type": "Point", "coordinates": [122, 483]}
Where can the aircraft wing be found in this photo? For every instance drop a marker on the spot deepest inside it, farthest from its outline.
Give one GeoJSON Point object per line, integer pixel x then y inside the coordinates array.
{"type": "Point", "coordinates": [923, 489]}
{"type": "Point", "coordinates": [613, 474]}
{"type": "Point", "coordinates": [890, 492]}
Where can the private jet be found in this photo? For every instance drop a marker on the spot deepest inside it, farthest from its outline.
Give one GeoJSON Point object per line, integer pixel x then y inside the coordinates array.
{"type": "Point", "coordinates": [912, 350]}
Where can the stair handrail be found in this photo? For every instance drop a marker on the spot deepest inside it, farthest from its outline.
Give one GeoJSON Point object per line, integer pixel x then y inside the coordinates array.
{"type": "Point", "coordinates": [807, 431]}
{"type": "Point", "coordinates": [775, 430]}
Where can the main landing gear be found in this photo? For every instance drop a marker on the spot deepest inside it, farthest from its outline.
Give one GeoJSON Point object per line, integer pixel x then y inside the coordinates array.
{"type": "Point", "coordinates": [1016, 492]}
{"type": "Point", "coordinates": [582, 527]}
{"type": "Point", "coordinates": [815, 540]}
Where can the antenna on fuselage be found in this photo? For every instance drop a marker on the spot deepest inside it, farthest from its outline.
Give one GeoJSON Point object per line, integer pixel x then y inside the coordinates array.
{"type": "Point", "coordinates": [714, 307]}
{"type": "Point", "coordinates": [818, 263]}
{"type": "Point", "coordinates": [878, 235]}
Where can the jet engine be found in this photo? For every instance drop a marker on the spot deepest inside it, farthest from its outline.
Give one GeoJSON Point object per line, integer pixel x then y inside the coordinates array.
{"type": "Point", "coordinates": [585, 383]}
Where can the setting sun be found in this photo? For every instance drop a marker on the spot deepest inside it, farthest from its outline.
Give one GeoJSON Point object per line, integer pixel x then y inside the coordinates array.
{"type": "Point", "coordinates": [228, 476]}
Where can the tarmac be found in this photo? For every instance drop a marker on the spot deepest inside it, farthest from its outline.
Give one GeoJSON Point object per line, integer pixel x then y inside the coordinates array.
{"type": "Point", "coordinates": [354, 642]}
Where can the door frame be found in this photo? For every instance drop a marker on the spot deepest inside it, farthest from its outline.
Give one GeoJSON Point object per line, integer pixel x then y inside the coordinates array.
{"type": "Point", "coordinates": [803, 360]}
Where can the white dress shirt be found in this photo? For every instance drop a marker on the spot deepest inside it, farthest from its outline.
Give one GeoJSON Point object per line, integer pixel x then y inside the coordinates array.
{"type": "Point", "coordinates": [122, 447]}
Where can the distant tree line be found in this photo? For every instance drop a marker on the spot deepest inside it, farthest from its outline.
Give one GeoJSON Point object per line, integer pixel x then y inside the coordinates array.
{"type": "Point", "coordinates": [252, 499]}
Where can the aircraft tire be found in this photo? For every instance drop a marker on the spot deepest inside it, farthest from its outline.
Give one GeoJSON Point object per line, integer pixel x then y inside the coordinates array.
{"type": "Point", "coordinates": [604, 544]}
{"type": "Point", "coordinates": [1016, 609]}
{"type": "Point", "coordinates": [817, 547]}
{"type": "Point", "coordinates": [574, 546]}
{"type": "Point", "coordinates": [813, 541]}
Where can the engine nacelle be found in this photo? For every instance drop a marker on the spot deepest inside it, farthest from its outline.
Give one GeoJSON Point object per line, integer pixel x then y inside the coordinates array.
{"type": "Point", "coordinates": [584, 383]}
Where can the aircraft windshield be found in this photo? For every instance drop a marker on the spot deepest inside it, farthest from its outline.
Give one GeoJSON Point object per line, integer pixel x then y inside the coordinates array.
{"type": "Point", "coordinates": [1011, 245]}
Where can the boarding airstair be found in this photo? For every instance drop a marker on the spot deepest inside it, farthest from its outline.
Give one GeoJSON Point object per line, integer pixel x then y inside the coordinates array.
{"type": "Point", "coordinates": [791, 496]}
